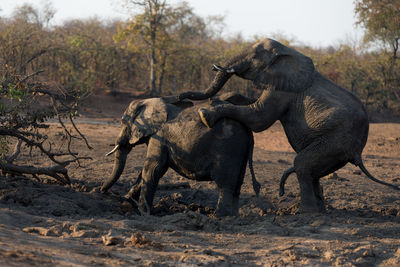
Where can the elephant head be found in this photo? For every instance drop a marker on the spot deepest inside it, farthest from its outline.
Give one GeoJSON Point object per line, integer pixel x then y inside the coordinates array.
{"type": "Point", "coordinates": [267, 63]}
{"type": "Point", "coordinates": [140, 121]}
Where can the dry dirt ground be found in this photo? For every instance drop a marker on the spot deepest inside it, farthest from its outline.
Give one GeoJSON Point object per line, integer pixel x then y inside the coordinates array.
{"type": "Point", "coordinates": [43, 223]}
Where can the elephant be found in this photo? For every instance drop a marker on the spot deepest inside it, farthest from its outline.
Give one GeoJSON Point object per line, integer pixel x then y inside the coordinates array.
{"type": "Point", "coordinates": [177, 139]}
{"type": "Point", "coordinates": [326, 125]}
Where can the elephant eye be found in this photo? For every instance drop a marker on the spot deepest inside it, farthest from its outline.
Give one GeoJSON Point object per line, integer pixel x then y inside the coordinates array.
{"type": "Point", "coordinates": [126, 118]}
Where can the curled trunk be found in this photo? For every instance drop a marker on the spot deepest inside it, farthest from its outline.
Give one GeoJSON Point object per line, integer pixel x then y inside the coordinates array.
{"type": "Point", "coordinates": [119, 164]}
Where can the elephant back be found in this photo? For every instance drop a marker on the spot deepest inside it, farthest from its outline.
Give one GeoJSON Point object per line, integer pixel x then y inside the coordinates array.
{"type": "Point", "coordinates": [195, 150]}
{"type": "Point", "coordinates": [187, 132]}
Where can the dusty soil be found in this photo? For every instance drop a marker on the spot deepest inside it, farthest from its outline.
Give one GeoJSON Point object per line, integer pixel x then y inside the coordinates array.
{"type": "Point", "coordinates": [44, 223]}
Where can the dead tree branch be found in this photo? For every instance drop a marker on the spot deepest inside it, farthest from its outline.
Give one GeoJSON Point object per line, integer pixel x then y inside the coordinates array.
{"type": "Point", "coordinates": [17, 150]}
{"type": "Point", "coordinates": [23, 119]}
{"type": "Point", "coordinates": [58, 172]}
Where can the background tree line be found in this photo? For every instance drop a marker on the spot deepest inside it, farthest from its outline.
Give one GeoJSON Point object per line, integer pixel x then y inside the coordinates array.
{"type": "Point", "coordinates": [164, 49]}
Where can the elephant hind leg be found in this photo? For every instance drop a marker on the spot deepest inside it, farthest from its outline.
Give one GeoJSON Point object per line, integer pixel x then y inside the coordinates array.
{"type": "Point", "coordinates": [225, 201]}
{"type": "Point", "coordinates": [309, 202]}
{"type": "Point", "coordinates": [134, 192]}
{"type": "Point", "coordinates": [317, 160]}
{"type": "Point", "coordinates": [236, 193]}
{"type": "Point", "coordinates": [229, 179]}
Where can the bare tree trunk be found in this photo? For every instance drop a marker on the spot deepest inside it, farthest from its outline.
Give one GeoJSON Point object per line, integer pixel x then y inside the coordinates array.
{"type": "Point", "coordinates": [393, 81]}
{"type": "Point", "coordinates": [163, 63]}
{"type": "Point", "coordinates": [153, 60]}
{"type": "Point", "coordinates": [153, 73]}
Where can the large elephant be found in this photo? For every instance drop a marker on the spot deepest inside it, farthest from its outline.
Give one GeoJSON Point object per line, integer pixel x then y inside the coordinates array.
{"type": "Point", "coordinates": [325, 124]}
{"type": "Point", "coordinates": [176, 138]}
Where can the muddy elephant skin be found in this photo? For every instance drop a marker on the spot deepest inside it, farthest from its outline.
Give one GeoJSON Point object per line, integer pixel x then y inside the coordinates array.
{"type": "Point", "coordinates": [177, 139]}
{"type": "Point", "coordinates": [326, 124]}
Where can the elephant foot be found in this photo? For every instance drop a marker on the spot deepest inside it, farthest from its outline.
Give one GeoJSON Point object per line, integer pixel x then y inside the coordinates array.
{"type": "Point", "coordinates": [128, 206]}
{"type": "Point", "coordinates": [102, 190]}
{"type": "Point", "coordinates": [131, 201]}
{"type": "Point", "coordinates": [321, 207]}
{"type": "Point", "coordinates": [310, 208]}
{"type": "Point", "coordinates": [223, 213]}
{"type": "Point", "coordinates": [320, 200]}
{"type": "Point", "coordinates": [134, 193]}
{"type": "Point", "coordinates": [207, 117]}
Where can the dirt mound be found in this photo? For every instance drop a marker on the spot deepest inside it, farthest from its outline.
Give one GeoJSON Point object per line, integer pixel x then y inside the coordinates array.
{"type": "Point", "coordinates": [51, 198]}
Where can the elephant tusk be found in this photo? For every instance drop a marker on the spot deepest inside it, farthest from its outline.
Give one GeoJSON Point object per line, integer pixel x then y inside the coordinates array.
{"type": "Point", "coordinates": [219, 68]}
{"type": "Point", "coordinates": [112, 151]}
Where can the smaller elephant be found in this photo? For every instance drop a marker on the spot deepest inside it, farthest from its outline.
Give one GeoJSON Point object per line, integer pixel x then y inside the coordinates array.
{"type": "Point", "coordinates": [176, 138]}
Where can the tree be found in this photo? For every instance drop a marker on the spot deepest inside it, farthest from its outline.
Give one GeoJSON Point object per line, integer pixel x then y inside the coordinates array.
{"type": "Point", "coordinates": [79, 62]}
{"type": "Point", "coordinates": [26, 103]}
{"type": "Point", "coordinates": [22, 39]}
{"type": "Point", "coordinates": [149, 30]}
{"type": "Point", "coordinates": [23, 117]}
{"type": "Point", "coordinates": [381, 19]}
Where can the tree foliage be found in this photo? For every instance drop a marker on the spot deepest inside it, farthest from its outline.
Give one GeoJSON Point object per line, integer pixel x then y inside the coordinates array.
{"type": "Point", "coordinates": [166, 49]}
{"type": "Point", "coordinates": [161, 31]}
{"type": "Point", "coordinates": [381, 19]}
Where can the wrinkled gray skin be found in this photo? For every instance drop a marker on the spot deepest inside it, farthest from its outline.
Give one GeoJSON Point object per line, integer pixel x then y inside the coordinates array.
{"type": "Point", "coordinates": [177, 139]}
{"type": "Point", "coordinates": [325, 124]}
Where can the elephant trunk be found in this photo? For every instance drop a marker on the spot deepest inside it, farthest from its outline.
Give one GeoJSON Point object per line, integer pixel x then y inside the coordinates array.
{"type": "Point", "coordinates": [219, 80]}
{"type": "Point", "coordinates": [119, 164]}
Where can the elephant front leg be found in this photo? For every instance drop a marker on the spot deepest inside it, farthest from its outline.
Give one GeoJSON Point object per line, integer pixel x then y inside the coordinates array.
{"type": "Point", "coordinates": [153, 170]}
{"type": "Point", "coordinates": [155, 166]}
{"type": "Point", "coordinates": [258, 116]}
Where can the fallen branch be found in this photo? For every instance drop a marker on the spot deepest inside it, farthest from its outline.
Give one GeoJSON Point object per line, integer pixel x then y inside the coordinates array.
{"type": "Point", "coordinates": [31, 143]}
{"type": "Point", "coordinates": [53, 171]}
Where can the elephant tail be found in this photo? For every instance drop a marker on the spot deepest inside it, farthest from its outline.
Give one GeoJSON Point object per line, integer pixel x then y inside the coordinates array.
{"type": "Point", "coordinates": [284, 177]}
{"type": "Point", "coordinates": [358, 162]}
{"type": "Point", "coordinates": [256, 184]}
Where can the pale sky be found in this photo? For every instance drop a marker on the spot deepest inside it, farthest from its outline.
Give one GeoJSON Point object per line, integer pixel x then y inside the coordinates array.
{"type": "Point", "coordinates": [311, 22]}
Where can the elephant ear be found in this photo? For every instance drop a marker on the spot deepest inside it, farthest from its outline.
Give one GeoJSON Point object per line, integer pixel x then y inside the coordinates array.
{"type": "Point", "coordinates": [290, 70]}
{"type": "Point", "coordinates": [146, 118]}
